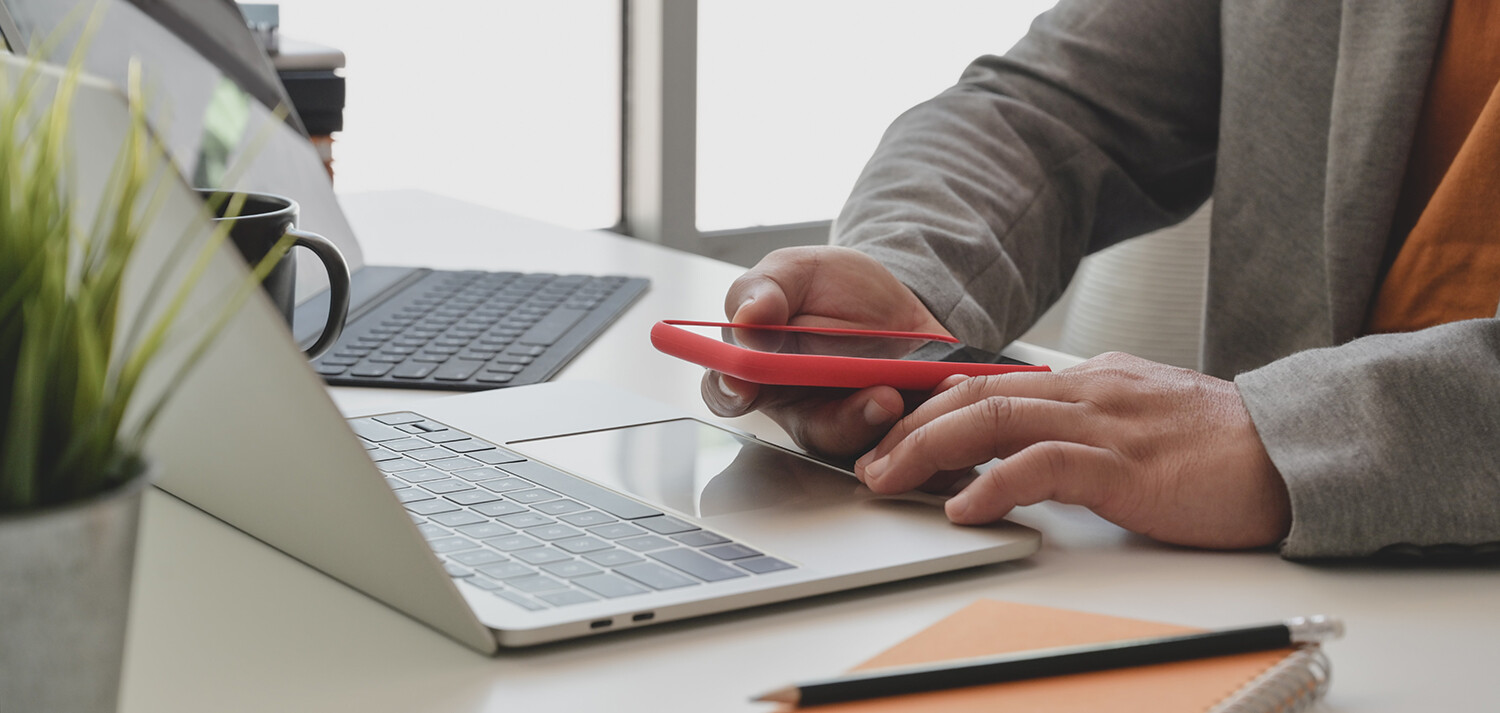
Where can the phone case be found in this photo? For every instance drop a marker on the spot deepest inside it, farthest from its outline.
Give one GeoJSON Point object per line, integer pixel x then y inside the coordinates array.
{"type": "Point", "coordinates": [816, 369]}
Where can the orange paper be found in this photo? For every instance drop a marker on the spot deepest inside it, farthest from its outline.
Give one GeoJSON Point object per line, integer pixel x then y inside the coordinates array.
{"type": "Point", "coordinates": [987, 627]}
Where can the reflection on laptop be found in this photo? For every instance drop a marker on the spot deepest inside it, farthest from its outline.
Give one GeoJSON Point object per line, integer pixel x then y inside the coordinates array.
{"type": "Point", "coordinates": [407, 327]}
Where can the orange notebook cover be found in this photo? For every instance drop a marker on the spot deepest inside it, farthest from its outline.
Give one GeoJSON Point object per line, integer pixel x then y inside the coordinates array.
{"type": "Point", "coordinates": [989, 627]}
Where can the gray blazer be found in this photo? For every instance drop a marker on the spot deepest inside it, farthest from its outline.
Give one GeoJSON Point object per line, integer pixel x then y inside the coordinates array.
{"type": "Point", "coordinates": [1111, 119]}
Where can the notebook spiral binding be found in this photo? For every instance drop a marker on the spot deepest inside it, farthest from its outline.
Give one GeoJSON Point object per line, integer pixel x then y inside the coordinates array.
{"type": "Point", "coordinates": [1294, 684]}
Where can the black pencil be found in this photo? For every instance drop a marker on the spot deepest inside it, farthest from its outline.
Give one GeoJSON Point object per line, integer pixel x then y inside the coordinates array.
{"type": "Point", "coordinates": [1055, 662]}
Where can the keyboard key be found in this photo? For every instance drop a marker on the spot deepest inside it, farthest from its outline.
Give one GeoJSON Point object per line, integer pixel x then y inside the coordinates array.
{"type": "Point", "coordinates": [498, 508]}
{"type": "Point", "coordinates": [445, 436]}
{"type": "Point", "coordinates": [421, 475]}
{"type": "Point", "coordinates": [583, 545]}
{"type": "Point", "coordinates": [474, 558]}
{"type": "Point", "coordinates": [411, 495]}
{"type": "Point", "coordinates": [581, 490]}
{"type": "Point", "coordinates": [427, 454]}
{"type": "Point", "coordinates": [485, 529]}
{"type": "Point", "coordinates": [413, 370]}
{"type": "Point", "coordinates": [696, 564]}
{"type": "Point", "coordinates": [699, 538]}
{"type": "Point", "coordinates": [473, 497]}
{"type": "Point", "coordinates": [646, 543]}
{"type": "Point", "coordinates": [406, 444]}
{"type": "Point", "coordinates": [555, 531]}
{"type": "Point", "coordinates": [507, 570]}
{"type": "Point", "coordinates": [541, 555]}
{"type": "Point", "coordinates": [503, 485]}
{"type": "Point", "coordinates": [455, 369]}
{"type": "Point", "coordinates": [431, 507]}
{"type": "Point", "coordinates": [570, 569]}
{"type": "Point", "coordinates": [483, 583]}
{"type": "Point", "coordinates": [431, 531]}
{"type": "Point", "coordinates": [493, 378]}
{"type": "Point", "coordinates": [617, 530]}
{"type": "Point", "coordinates": [586, 519]}
{"type": "Point", "coordinates": [653, 575]}
{"type": "Point", "coordinates": [458, 464]}
{"type": "Point", "coordinates": [512, 543]}
{"type": "Point", "coordinates": [613, 558]}
{"type": "Point", "coordinates": [731, 551]}
{"type": "Point", "coordinates": [762, 565]}
{"type": "Point", "coordinates": [396, 483]}
{"type": "Point", "coordinates": [377, 432]}
{"type": "Point", "coordinates": [565, 598]}
{"type": "Point", "coordinates": [449, 485]}
{"type": "Point", "coordinates": [396, 466]}
{"type": "Point", "coordinates": [459, 517]}
{"type": "Point", "coordinates": [498, 456]}
{"type": "Point", "coordinates": [370, 369]}
{"type": "Point", "coordinates": [537, 583]}
{"type": "Point", "coordinates": [456, 571]}
{"type": "Point", "coordinates": [560, 507]}
{"type": "Point", "coordinates": [471, 445]}
{"type": "Point", "coordinates": [534, 495]}
{"type": "Point", "coordinates": [519, 600]}
{"type": "Point", "coordinates": [523, 520]}
{"type": "Point", "coordinates": [326, 369]}
{"type": "Point", "coordinates": [451, 544]}
{"type": "Point", "coordinates": [380, 455]}
{"type": "Point", "coordinates": [609, 586]}
{"type": "Point", "coordinates": [665, 525]}
{"type": "Point", "coordinates": [552, 327]}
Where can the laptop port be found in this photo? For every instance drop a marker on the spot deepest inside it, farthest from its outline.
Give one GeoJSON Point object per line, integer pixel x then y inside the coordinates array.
{"type": "Point", "coordinates": [644, 616]}
{"type": "Point", "coordinates": [602, 623]}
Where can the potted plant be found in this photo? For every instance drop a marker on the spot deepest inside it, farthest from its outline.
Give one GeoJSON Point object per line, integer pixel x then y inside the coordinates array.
{"type": "Point", "coordinates": [71, 465]}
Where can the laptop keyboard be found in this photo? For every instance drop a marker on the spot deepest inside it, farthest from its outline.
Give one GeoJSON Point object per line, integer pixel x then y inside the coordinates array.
{"type": "Point", "coordinates": [536, 536]}
{"type": "Point", "coordinates": [469, 331]}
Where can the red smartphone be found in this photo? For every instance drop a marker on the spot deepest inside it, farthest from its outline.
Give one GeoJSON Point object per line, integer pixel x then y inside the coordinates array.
{"type": "Point", "coordinates": [815, 356]}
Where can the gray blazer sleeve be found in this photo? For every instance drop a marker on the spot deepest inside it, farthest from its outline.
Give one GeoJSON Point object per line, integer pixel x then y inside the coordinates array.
{"type": "Point", "coordinates": [1098, 126]}
{"type": "Point", "coordinates": [1388, 442]}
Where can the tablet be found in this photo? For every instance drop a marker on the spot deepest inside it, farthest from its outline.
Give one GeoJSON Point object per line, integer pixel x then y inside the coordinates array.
{"type": "Point", "coordinates": [817, 356]}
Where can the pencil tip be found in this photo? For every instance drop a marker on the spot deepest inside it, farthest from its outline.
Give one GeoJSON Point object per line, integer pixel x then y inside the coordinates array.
{"type": "Point", "coordinates": [780, 695]}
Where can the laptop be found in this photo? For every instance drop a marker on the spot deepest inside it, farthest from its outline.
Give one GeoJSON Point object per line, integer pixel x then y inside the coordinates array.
{"type": "Point", "coordinates": [407, 327]}
{"type": "Point", "coordinates": [630, 513]}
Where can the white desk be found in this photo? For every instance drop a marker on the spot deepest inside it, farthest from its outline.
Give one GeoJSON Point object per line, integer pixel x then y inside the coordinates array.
{"type": "Point", "coordinates": [221, 622]}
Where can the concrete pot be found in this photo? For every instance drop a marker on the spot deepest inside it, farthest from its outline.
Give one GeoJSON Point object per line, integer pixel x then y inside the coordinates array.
{"type": "Point", "coordinates": [65, 576]}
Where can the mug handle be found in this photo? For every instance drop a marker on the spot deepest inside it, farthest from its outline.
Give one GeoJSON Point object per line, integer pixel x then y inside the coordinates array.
{"type": "Point", "coordinates": [338, 287]}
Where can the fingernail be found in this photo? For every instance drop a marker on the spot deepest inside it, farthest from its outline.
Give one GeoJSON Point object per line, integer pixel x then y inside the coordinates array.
{"type": "Point", "coordinates": [877, 415]}
{"type": "Point", "coordinates": [876, 469]}
{"type": "Point", "coordinates": [957, 506]}
{"type": "Point", "coordinates": [726, 391]}
{"type": "Point", "coordinates": [737, 310]}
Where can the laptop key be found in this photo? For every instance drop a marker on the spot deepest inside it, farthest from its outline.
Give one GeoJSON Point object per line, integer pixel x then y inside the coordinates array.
{"type": "Point", "coordinates": [431, 531]}
{"type": "Point", "coordinates": [502, 485]}
{"type": "Point", "coordinates": [449, 485]}
{"type": "Point", "coordinates": [431, 507]}
{"type": "Point", "coordinates": [498, 456]}
{"type": "Point", "coordinates": [731, 551]}
{"type": "Point", "coordinates": [455, 369]}
{"type": "Point", "coordinates": [696, 564]}
{"type": "Point", "coordinates": [507, 570]}
{"type": "Point", "coordinates": [541, 555]}
{"type": "Point", "coordinates": [483, 583]}
{"type": "Point", "coordinates": [654, 576]}
{"type": "Point", "coordinates": [762, 565]}
{"type": "Point", "coordinates": [519, 600]}
{"type": "Point", "coordinates": [396, 466]}
{"type": "Point", "coordinates": [471, 445]}
{"type": "Point", "coordinates": [570, 569]}
{"type": "Point", "coordinates": [617, 530]}
{"type": "Point", "coordinates": [460, 464]}
{"type": "Point", "coordinates": [665, 525]}
{"type": "Point", "coordinates": [427, 454]}
{"type": "Point", "coordinates": [376, 432]}
{"type": "Point", "coordinates": [456, 571]}
{"type": "Point", "coordinates": [610, 586]}
{"type": "Point", "coordinates": [411, 495]}
{"type": "Point", "coordinates": [473, 497]}
{"type": "Point", "coordinates": [581, 490]}
{"type": "Point", "coordinates": [536, 583]}
{"type": "Point", "coordinates": [559, 507]}
{"type": "Point", "coordinates": [444, 436]}
{"type": "Point", "coordinates": [534, 495]}
{"type": "Point", "coordinates": [406, 444]}
{"type": "Point", "coordinates": [451, 544]}
{"type": "Point", "coordinates": [398, 418]}
{"type": "Point", "coordinates": [613, 558]}
{"type": "Point", "coordinates": [565, 597]}
{"type": "Point", "coordinates": [582, 545]}
{"type": "Point", "coordinates": [457, 518]}
{"type": "Point", "coordinates": [421, 475]}
{"type": "Point", "coordinates": [587, 518]}
{"type": "Point", "coordinates": [475, 558]}
{"type": "Point", "coordinates": [479, 531]}
{"type": "Point", "coordinates": [555, 531]}
{"type": "Point", "coordinates": [512, 543]}
{"type": "Point", "coordinates": [700, 538]}
{"type": "Point", "coordinates": [646, 543]}
{"type": "Point", "coordinates": [497, 509]}
{"type": "Point", "coordinates": [525, 519]}
{"type": "Point", "coordinates": [413, 370]}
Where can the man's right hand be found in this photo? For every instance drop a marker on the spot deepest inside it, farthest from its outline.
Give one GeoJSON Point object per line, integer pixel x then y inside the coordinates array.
{"type": "Point", "coordinates": [822, 286]}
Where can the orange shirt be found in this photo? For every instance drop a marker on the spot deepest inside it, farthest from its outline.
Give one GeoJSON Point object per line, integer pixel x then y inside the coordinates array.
{"type": "Point", "coordinates": [1448, 267]}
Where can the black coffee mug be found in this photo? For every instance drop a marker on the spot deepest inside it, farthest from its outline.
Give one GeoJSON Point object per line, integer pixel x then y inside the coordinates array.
{"type": "Point", "coordinates": [259, 224]}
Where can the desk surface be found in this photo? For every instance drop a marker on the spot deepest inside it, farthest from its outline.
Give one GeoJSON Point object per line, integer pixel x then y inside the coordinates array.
{"type": "Point", "coordinates": [221, 622]}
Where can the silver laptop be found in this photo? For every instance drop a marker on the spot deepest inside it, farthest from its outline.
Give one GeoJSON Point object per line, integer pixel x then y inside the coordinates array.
{"type": "Point", "coordinates": [504, 518]}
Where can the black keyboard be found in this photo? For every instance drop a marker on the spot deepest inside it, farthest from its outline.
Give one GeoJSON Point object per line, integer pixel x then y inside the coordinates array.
{"type": "Point", "coordinates": [468, 331]}
{"type": "Point", "coordinates": [535, 536]}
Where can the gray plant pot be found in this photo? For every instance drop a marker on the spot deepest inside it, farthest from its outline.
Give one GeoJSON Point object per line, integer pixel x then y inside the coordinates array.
{"type": "Point", "coordinates": [64, 597]}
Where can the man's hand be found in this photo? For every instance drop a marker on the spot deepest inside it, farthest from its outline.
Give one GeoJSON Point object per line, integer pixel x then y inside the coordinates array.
{"type": "Point", "coordinates": [1166, 452]}
{"type": "Point", "coordinates": [820, 286]}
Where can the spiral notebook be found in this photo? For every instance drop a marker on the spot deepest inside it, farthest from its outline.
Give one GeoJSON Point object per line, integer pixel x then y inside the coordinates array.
{"type": "Point", "coordinates": [1268, 681]}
